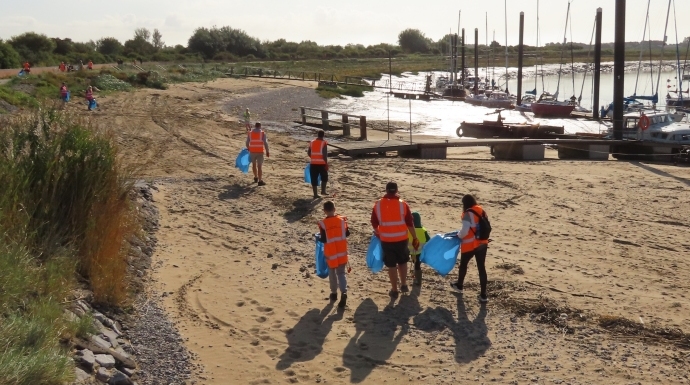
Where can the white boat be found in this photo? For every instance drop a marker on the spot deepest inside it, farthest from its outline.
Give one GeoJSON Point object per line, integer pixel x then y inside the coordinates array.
{"type": "Point", "coordinates": [526, 105]}
{"type": "Point", "coordinates": [663, 127]}
{"type": "Point", "coordinates": [499, 100]}
{"type": "Point", "coordinates": [475, 99]}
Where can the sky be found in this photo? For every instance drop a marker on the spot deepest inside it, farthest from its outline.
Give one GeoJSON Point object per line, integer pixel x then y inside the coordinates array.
{"type": "Point", "coordinates": [333, 22]}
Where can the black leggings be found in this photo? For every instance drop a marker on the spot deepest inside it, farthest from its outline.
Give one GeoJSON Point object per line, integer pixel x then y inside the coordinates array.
{"type": "Point", "coordinates": [480, 254]}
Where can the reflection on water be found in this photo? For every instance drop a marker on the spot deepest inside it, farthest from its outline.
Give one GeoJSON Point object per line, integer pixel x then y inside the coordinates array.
{"type": "Point", "coordinates": [443, 117]}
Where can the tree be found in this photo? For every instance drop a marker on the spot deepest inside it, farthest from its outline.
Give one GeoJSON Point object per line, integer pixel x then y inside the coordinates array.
{"type": "Point", "coordinates": [109, 46]}
{"type": "Point", "coordinates": [33, 47]}
{"type": "Point", "coordinates": [157, 41]}
{"type": "Point", "coordinates": [138, 47]}
{"type": "Point", "coordinates": [495, 44]}
{"type": "Point", "coordinates": [142, 33]}
{"type": "Point", "coordinates": [9, 58]}
{"type": "Point", "coordinates": [63, 46]}
{"type": "Point", "coordinates": [202, 42]}
{"type": "Point", "coordinates": [413, 41]}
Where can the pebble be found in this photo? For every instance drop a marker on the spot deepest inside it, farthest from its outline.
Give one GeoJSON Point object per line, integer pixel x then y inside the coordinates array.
{"type": "Point", "coordinates": [119, 378]}
{"type": "Point", "coordinates": [101, 343]}
{"type": "Point", "coordinates": [102, 375]}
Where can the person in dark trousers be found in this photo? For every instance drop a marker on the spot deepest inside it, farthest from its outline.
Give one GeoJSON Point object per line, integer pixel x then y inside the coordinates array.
{"type": "Point", "coordinates": [318, 160]}
{"type": "Point", "coordinates": [392, 221]}
{"type": "Point", "coordinates": [470, 246]}
{"type": "Point", "coordinates": [423, 236]}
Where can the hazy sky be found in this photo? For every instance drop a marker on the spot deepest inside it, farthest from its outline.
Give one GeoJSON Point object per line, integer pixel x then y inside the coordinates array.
{"type": "Point", "coordinates": [330, 22]}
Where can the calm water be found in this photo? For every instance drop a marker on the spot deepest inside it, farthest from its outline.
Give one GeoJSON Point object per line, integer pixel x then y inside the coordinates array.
{"type": "Point", "coordinates": [442, 118]}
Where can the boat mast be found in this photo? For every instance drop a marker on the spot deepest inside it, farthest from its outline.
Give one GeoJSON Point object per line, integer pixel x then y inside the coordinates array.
{"type": "Point", "coordinates": [560, 68]}
{"type": "Point", "coordinates": [505, 13]}
{"type": "Point", "coordinates": [536, 55]}
{"type": "Point", "coordinates": [663, 44]}
{"type": "Point", "coordinates": [644, 34]}
{"type": "Point", "coordinates": [486, 78]}
{"type": "Point", "coordinates": [680, 77]}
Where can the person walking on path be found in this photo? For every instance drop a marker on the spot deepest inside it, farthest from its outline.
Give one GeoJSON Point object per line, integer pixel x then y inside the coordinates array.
{"type": "Point", "coordinates": [27, 67]}
{"type": "Point", "coordinates": [392, 221]}
{"type": "Point", "coordinates": [90, 65]}
{"type": "Point", "coordinates": [334, 232]}
{"type": "Point", "coordinates": [318, 155]}
{"type": "Point", "coordinates": [423, 237]}
{"type": "Point", "coordinates": [247, 120]}
{"type": "Point", "coordinates": [257, 144]}
{"type": "Point", "coordinates": [90, 98]}
{"type": "Point", "coordinates": [470, 246]}
{"type": "Point", "coordinates": [62, 67]}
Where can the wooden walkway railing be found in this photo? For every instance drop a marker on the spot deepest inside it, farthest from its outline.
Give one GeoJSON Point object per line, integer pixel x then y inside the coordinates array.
{"type": "Point", "coordinates": [345, 120]}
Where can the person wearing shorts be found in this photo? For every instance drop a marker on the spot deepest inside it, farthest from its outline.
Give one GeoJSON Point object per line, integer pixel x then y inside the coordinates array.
{"type": "Point", "coordinates": [392, 221]}
{"type": "Point", "coordinates": [257, 143]}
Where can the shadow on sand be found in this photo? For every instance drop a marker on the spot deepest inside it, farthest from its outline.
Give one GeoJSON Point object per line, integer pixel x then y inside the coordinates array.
{"type": "Point", "coordinates": [661, 173]}
{"type": "Point", "coordinates": [305, 340]}
{"type": "Point", "coordinates": [377, 335]}
{"type": "Point", "coordinates": [235, 191]}
{"type": "Point", "coordinates": [471, 336]}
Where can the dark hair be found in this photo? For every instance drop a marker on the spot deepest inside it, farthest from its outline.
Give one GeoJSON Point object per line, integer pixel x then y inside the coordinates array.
{"type": "Point", "coordinates": [257, 124]}
{"type": "Point", "coordinates": [329, 206]}
{"type": "Point", "coordinates": [468, 201]}
{"type": "Point", "coordinates": [321, 134]}
{"type": "Point", "coordinates": [391, 187]}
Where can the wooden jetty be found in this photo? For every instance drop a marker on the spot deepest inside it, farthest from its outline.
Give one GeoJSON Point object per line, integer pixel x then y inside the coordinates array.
{"type": "Point", "coordinates": [324, 118]}
{"type": "Point", "coordinates": [512, 149]}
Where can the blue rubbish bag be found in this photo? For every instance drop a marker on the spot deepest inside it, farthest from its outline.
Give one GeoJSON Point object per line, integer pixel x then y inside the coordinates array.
{"type": "Point", "coordinates": [321, 265]}
{"type": "Point", "coordinates": [242, 161]}
{"type": "Point", "coordinates": [92, 104]}
{"type": "Point", "coordinates": [307, 175]}
{"type": "Point", "coordinates": [375, 255]}
{"type": "Point", "coordinates": [68, 96]}
{"type": "Point", "coordinates": [441, 252]}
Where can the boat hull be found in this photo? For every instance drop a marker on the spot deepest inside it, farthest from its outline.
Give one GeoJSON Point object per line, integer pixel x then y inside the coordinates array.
{"type": "Point", "coordinates": [553, 110]}
{"type": "Point", "coordinates": [678, 102]}
{"type": "Point", "coordinates": [487, 130]}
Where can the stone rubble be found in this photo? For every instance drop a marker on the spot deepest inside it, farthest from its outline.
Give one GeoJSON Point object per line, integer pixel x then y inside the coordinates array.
{"type": "Point", "coordinates": [139, 348]}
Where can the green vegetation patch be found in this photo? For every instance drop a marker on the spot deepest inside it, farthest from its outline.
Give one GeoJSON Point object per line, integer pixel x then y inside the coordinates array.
{"type": "Point", "coordinates": [108, 82]}
{"type": "Point", "coordinates": [337, 92]}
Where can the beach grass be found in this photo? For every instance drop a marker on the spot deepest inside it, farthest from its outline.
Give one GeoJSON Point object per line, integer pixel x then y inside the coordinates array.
{"type": "Point", "coordinates": [64, 213]}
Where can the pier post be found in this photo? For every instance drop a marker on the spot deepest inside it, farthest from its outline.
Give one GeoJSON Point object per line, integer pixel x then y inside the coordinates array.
{"type": "Point", "coordinates": [363, 127]}
{"type": "Point", "coordinates": [462, 64]}
{"type": "Point", "coordinates": [303, 113]}
{"type": "Point", "coordinates": [521, 53]}
{"type": "Point", "coordinates": [324, 120]}
{"type": "Point", "coordinates": [597, 67]}
{"type": "Point", "coordinates": [476, 60]}
{"type": "Point", "coordinates": [619, 70]}
{"type": "Point", "coordinates": [346, 126]}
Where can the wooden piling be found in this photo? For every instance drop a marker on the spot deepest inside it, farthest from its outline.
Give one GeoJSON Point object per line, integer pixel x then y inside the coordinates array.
{"type": "Point", "coordinates": [363, 127]}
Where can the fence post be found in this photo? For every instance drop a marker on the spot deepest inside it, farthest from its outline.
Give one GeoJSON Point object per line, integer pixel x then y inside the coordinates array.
{"type": "Point", "coordinates": [346, 126]}
{"type": "Point", "coordinates": [289, 75]}
{"type": "Point", "coordinates": [303, 112]}
{"type": "Point", "coordinates": [363, 127]}
{"type": "Point", "coordinates": [324, 120]}
{"type": "Point", "coordinates": [246, 71]}
{"type": "Point", "coordinates": [302, 76]}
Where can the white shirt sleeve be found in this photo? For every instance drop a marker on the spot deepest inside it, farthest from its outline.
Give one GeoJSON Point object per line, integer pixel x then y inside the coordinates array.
{"type": "Point", "coordinates": [466, 226]}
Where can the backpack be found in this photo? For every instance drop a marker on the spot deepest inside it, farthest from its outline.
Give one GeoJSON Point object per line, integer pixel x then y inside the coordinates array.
{"type": "Point", "coordinates": [483, 230]}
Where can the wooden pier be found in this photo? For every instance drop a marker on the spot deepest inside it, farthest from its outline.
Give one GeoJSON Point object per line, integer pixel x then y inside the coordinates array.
{"type": "Point", "coordinates": [511, 149]}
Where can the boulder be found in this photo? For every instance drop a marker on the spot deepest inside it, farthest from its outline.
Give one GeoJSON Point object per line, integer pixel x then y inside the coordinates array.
{"type": "Point", "coordinates": [105, 360]}
{"type": "Point", "coordinates": [103, 375]}
{"type": "Point", "coordinates": [86, 359]}
{"type": "Point", "coordinates": [119, 378]}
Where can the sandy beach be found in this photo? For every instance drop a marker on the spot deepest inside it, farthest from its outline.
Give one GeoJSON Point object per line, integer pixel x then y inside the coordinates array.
{"type": "Point", "coordinates": [588, 268]}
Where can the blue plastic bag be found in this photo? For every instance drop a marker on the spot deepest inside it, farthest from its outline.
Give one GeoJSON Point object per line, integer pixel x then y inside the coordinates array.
{"type": "Point", "coordinates": [242, 161]}
{"type": "Point", "coordinates": [375, 255]}
{"type": "Point", "coordinates": [68, 96]}
{"type": "Point", "coordinates": [92, 104]}
{"type": "Point", "coordinates": [321, 265]}
{"type": "Point", "coordinates": [441, 252]}
{"type": "Point", "coordinates": [307, 175]}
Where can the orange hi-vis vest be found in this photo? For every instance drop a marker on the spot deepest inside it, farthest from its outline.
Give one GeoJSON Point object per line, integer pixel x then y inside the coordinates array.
{"type": "Point", "coordinates": [256, 142]}
{"type": "Point", "coordinates": [470, 241]}
{"type": "Point", "coordinates": [316, 146]}
{"type": "Point", "coordinates": [335, 248]}
{"type": "Point", "coordinates": [391, 215]}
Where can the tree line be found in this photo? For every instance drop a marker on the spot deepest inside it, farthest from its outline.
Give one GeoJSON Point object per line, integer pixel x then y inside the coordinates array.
{"type": "Point", "coordinates": [230, 44]}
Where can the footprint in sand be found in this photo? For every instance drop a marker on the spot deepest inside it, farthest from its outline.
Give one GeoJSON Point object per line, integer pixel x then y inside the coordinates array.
{"type": "Point", "coordinates": [261, 319]}
{"type": "Point", "coordinates": [240, 303]}
{"type": "Point", "coordinates": [273, 353]}
{"type": "Point", "coordinates": [264, 309]}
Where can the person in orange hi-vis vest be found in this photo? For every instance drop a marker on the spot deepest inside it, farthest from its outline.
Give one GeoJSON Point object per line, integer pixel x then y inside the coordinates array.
{"type": "Point", "coordinates": [27, 67]}
{"type": "Point", "coordinates": [392, 221]}
{"type": "Point", "coordinates": [62, 67]}
{"type": "Point", "coordinates": [471, 246]}
{"type": "Point", "coordinates": [334, 232]}
{"type": "Point", "coordinates": [318, 160]}
{"type": "Point", "coordinates": [257, 143]}
{"type": "Point", "coordinates": [90, 65]}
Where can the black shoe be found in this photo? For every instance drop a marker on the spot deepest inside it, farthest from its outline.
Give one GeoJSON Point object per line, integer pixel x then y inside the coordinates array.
{"type": "Point", "coordinates": [418, 277]}
{"type": "Point", "coordinates": [404, 289]}
{"type": "Point", "coordinates": [455, 287]}
{"type": "Point", "coordinates": [393, 294]}
{"type": "Point", "coordinates": [333, 297]}
{"type": "Point", "coordinates": [316, 196]}
{"type": "Point", "coordinates": [256, 179]}
{"type": "Point", "coordinates": [483, 299]}
{"type": "Point", "coordinates": [343, 300]}
{"type": "Point", "coordinates": [262, 183]}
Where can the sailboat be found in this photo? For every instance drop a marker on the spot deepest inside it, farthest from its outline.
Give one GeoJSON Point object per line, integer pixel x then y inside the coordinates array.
{"type": "Point", "coordinates": [531, 96]}
{"type": "Point", "coordinates": [548, 104]}
{"type": "Point", "coordinates": [502, 99]}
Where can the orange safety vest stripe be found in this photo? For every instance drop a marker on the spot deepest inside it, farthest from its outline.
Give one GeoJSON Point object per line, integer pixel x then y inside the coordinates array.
{"type": "Point", "coordinates": [256, 142]}
{"type": "Point", "coordinates": [391, 215]}
{"type": "Point", "coordinates": [470, 241]}
{"type": "Point", "coordinates": [316, 146]}
{"type": "Point", "coordinates": [335, 248]}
